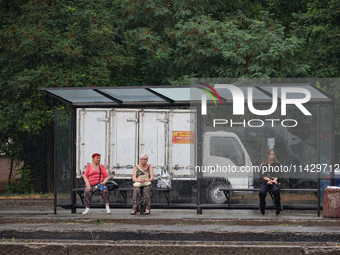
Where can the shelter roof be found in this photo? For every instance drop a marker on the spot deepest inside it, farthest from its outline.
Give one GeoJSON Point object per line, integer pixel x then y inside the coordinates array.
{"type": "Point", "coordinates": [148, 96]}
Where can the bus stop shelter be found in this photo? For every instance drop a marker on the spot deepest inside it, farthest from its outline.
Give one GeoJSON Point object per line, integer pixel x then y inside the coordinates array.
{"type": "Point", "coordinates": [190, 97]}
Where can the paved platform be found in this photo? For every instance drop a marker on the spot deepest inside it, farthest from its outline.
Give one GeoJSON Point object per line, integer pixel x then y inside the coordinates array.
{"type": "Point", "coordinates": [171, 230]}
{"type": "Point", "coordinates": [167, 220]}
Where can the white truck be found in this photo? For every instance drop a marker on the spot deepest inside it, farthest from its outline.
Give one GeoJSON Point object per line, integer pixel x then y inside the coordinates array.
{"type": "Point", "coordinates": [169, 138]}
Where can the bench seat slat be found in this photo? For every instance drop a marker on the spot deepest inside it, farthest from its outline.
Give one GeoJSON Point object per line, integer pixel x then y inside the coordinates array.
{"type": "Point", "coordinates": [227, 192]}
{"type": "Point", "coordinates": [123, 192]}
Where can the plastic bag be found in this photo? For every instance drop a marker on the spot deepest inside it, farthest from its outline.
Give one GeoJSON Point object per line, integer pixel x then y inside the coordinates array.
{"type": "Point", "coordinates": [164, 180]}
{"type": "Point", "coordinates": [111, 185]}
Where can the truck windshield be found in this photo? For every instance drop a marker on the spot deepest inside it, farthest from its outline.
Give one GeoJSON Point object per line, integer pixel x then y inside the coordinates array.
{"type": "Point", "coordinates": [227, 147]}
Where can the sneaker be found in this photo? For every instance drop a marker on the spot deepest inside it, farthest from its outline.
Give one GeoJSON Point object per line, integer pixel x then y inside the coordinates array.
{"type": "Point", "coordinates": [263, 212]}
{"type": "Point", "coordinates": [86, 212]}
{"type": "Point", "coordinates": [108, 212]}
{"type": "Point", "coordinates": [277, 212]}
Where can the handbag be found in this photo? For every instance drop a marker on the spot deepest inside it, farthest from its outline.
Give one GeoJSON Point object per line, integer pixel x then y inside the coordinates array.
{"type": "Point", "coordinates": [111, 185]}
{"type": "Point", "coordinates": [142, 184]}
{"type": "Point", "coordinates": [164, 180]}
{"type": "Point", "coordinates": [95, 188]}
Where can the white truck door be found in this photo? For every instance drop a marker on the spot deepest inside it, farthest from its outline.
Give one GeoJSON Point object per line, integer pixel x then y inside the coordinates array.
{"type": "Point", "coordinates": [123, 141]}
{"type": "Point", "coordinates": [92, 137]}
{"type": "Point", "coordinates": [226, 157]}
{"type": "Point", "coordinates": [182, 144]}
{"type": "Point", "coordinates": [153, 129]}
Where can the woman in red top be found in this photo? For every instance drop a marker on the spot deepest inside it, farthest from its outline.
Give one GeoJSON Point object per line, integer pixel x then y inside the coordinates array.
{"type": "Point", "coordinates": [91, 177]}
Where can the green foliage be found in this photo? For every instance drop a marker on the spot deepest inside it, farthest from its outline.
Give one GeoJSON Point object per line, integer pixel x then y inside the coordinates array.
{"type": "Point", "coordinates": [22, 184]}
{"type": "Point", "coordinates": [262, 49]}
{"type": "Point", "coordinates": [237, 47]}
{"type": "Point", "coordinates": [51, 44]}
{"type": "Point", "coordinates": [283, 10]}
{"type": "Point", "coordinates": [320, 26]}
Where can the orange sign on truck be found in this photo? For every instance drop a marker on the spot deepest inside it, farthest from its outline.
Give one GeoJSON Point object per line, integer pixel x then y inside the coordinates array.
{"type": "Point", "coordinates": [184, 137]}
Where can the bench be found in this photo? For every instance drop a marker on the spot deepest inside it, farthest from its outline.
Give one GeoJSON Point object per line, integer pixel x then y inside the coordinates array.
{"type": "Point", "coordinates": [227, 192]}
{"type": "Point", "coordinates": [123, 193]}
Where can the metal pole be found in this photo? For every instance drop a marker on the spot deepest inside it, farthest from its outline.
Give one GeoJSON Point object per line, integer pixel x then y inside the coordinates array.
{"type": "Point", "coordinates": [73, 157]}
{"type": "Point", "coordinates": [55, 160]}
{"type": "Point", "coordinates": [199, 150]}
{"type": "Point", "coordinates": [318, 150]}
{"type": "Point", "coordinates": [332, 140]}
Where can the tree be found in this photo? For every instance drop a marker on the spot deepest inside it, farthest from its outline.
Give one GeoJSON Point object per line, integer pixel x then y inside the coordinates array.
{"type": "Point", "coordinates": [320, 26]}
{"type": "Point", "coordinates": [49, 44]}
{"type": "Point", "coordinates": [237, 47]}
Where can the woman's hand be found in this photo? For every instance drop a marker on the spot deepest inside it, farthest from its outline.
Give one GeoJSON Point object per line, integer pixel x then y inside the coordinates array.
{"type": "Point", "coordinates": [142, 180]}
{"type": "Point", "coordinates": [275, 181]}
{"type": "Point", "coordinates": [105, 181]}
{"type": "Point", "coordinates": [270, 182]}
{"type": "Point", "coordinates": [87, 184]}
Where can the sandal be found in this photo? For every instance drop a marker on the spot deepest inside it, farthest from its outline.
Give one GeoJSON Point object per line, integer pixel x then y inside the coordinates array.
{"type": "Point", "coordinates": [133, 213]}
{"type": "Point", "coordinates": [146, 213]}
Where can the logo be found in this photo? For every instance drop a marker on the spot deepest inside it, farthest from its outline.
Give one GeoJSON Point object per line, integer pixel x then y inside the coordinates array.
{"type": "Point", "coordinates": [204, 97]}
{"type": "Point", "coordinates": [300, 96]}
{"type": "Point", "coordinates": [238, 99]}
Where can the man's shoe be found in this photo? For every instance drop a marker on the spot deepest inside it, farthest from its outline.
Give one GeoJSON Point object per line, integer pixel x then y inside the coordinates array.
{"type": "Point", "coordinates": [86, 212]}
{"type": "Point", "coordinates": [263, 212]}
{"type": "Point", "coordinates": [277, 212]}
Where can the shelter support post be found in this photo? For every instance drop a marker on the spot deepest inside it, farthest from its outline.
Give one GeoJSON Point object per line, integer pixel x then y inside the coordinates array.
{"type": "Point", "coordinates": [73, 157]}
{"type": "Point", "coordinates": [199, 156]}
{"type": "Point", "coordinates": [55, 160]}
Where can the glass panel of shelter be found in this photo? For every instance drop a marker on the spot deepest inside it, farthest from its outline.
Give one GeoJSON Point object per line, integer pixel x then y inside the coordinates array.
{"type": "Point", "coordinates": [63, 173]}
{"type": "Point", "coordinates": [325, 150]}
{"type": "Point", "coordinates": [295, 145]}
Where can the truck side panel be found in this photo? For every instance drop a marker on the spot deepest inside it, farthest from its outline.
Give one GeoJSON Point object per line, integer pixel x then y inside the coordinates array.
{"type": "Point", "coordinates": [153, 129]}
{"type": "Point", "coordinates": [182, 144]}
{"type": "Point", "coordinates": [92, 137]}
{"type": "Point", "coordinates": [123, 142]}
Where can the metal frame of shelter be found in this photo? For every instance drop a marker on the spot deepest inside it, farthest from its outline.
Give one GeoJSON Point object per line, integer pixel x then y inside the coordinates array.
{"type": "Point", "coordinates": [167, 96]}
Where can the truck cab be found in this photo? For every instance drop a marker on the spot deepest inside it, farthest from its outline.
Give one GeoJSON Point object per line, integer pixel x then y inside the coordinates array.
{"type": "Point", "coordinates": [226, 162]}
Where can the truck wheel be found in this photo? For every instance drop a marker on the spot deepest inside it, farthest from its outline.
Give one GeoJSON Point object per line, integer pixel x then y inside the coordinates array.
{"type": "Point", "coordinates": [215, 196]}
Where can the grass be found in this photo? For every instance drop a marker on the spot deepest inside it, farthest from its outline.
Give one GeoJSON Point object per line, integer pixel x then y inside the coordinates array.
{"type": "Point", "coordinates": [95, 238]}
{"type": "Point", "coordinates": [27, 196]}
{"type": "Point", "coordinates": [180, 223]}
{"type": "Point", "coordinates": [217, 229]}
{"type": "Point", "coordinates": [291, 225]}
